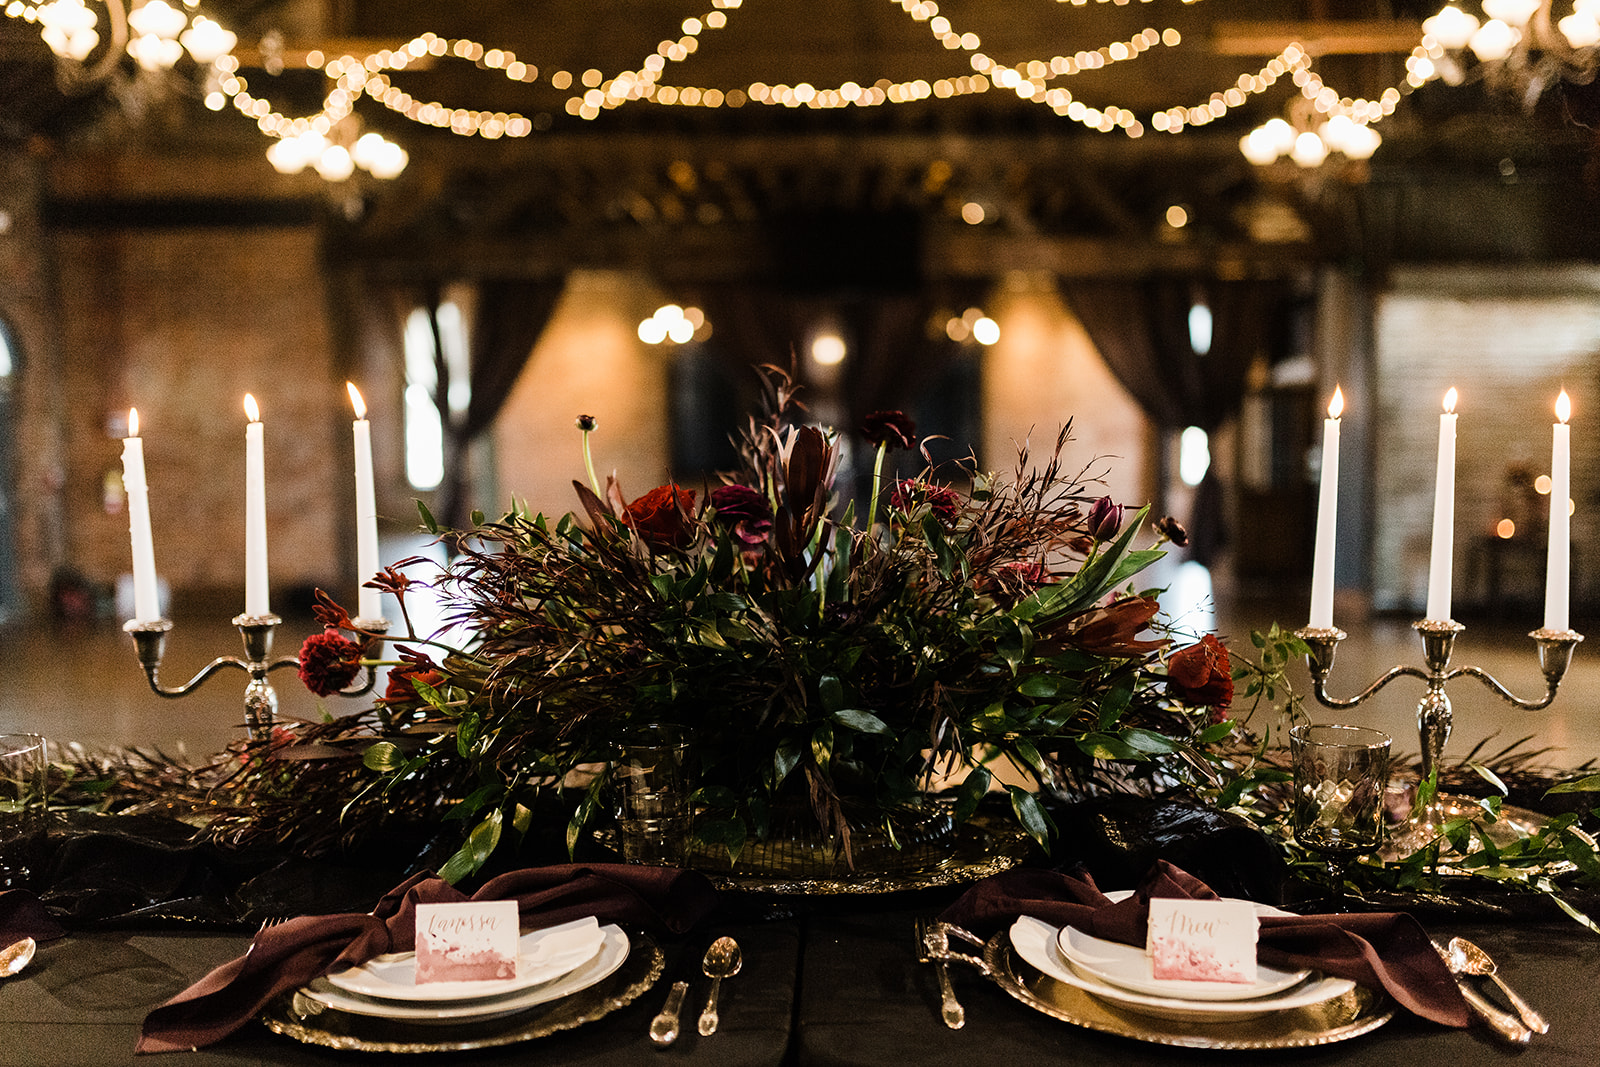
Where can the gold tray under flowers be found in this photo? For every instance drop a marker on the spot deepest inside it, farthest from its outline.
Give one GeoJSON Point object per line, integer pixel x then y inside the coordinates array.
{"type": "Point", "coordinates": [966, 853]}
{"type": "Point", "coordinates": [297, 1016]}
{"type": "Point", "coordinates": [1358, 1012]}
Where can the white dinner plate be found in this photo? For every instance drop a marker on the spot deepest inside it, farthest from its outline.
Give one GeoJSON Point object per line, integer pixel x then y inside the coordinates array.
{"type": "Point", "coordinates": [541, 956]}
{"type": "Point", "coordinates": [1035, 941]}
{"type": "Point", "coordinates": [1129, 966]}
{"type": "Point", "coordinates": [613, 951]}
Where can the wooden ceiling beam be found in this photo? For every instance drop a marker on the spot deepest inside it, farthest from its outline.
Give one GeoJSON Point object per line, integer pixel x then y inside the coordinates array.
{"type": "Point", "coordinates": [707, 255]}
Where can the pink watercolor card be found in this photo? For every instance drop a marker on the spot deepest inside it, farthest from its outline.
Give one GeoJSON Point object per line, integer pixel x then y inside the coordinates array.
{"type": "Point", "coordinates": [469, 942]}
{"type": "Point", "coordinates": [1202, 940]}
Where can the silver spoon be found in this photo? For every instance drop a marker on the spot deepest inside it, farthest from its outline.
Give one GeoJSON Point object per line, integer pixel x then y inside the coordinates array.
{"type": "Point", "coordinates": [723, 960]}
{"type": "Point", "coordinates": [17, 956]}
{"type": "Point", "coordinates": [1470, 959]}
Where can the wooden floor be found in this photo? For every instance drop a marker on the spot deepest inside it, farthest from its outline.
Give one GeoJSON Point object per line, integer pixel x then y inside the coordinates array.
{"type": "Point", "coordinates": [82, 682]}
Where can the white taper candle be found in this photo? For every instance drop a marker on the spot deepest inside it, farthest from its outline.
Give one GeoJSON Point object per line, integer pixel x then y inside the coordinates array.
{"type": "Point", "coordinates": [1444, 514]}
{"type": "Point", "coordinates": [1327, 518]}
{"type": "Point", "coordinates": [146, 600]}
{"type": "Point", "coordinates": [255, 514]}
{"type": "Point", "coordinates": [369, 601]}
{"type": "Point", "coordinates": [1558, 564]}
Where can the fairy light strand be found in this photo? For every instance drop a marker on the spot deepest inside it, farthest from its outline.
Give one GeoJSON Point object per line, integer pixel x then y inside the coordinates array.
{"type": "Point", "coordinates": [1034, 80]}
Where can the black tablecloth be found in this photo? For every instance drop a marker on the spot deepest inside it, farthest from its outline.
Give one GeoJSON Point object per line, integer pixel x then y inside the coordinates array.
{"type": "Point", "coordinates": [836, 986]}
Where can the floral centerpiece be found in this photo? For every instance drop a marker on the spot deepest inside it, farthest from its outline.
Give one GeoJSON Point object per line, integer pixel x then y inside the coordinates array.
{"type": "Point", "coordinates": [811, 659]}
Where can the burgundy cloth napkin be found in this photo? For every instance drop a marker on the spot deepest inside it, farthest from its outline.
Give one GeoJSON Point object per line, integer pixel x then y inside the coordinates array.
{"type": "Point", "coordinates": [21, 915]}
{"type": "Point", "coordinates": [289, 955]}
{"type": "Point", "coordinates": [1388, 951]}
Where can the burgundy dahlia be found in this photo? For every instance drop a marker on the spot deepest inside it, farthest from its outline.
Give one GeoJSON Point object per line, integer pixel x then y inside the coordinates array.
{"type": "Point", "coordinates": [908, 493]}
{"type": "Point", "coordinates": [329, 661]}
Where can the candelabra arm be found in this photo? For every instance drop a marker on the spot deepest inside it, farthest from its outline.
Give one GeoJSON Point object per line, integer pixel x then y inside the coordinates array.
{"type": "Point", "coordinates": [1555, 656]}
{"type": "Point", "coordinates": [151, 671]}
{"type": "Point", "coordinates": [150, 641]}
{"type": "Point", "coordinates": [1320, 691]}
{"type": "Point", "coordinates": [1500, 690]}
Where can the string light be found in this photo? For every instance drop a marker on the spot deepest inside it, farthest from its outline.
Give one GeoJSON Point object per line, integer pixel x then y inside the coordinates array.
{"type": "Point", "coordinates": [1032, 80]}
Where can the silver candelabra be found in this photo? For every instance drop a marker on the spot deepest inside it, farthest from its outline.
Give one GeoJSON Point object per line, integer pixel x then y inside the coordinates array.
{"type": "Point", "coordinates": [1555, 649]}
{"type": "Point", "coordinates": [260, 699]}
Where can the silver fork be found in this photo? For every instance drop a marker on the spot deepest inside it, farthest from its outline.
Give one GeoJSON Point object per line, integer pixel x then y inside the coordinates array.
{"type": "Point", "coordinates": [266, 924]}
{"type": "Point", "coordinates": [932, 939]}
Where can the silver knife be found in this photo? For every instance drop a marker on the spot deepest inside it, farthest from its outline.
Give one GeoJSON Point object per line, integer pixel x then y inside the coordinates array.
{"type": "Point", "coordinates": [1503, 1023]}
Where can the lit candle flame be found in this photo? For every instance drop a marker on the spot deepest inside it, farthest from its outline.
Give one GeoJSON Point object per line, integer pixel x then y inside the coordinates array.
{"type": "Point", "coordinates": [133, 422]}
{"type": "Point", "coordinates": [1563, 406]}
{"type": "Point", "coordinates": [1450, 401]}
{"type": "Point", "coordinates": [1336, 405]}
{"type": "Point", "coordinates": [250, 409]}
{"type": "Point", "coordinates": [355, 400]}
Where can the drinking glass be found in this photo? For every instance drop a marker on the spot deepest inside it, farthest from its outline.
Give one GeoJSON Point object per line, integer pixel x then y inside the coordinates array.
{"type": "Point", "coordinates": [653, 795]}
{"type": "Point", "coordinates": [1340, 773]}
{"type": "Point", "coordinates": [22, 807]}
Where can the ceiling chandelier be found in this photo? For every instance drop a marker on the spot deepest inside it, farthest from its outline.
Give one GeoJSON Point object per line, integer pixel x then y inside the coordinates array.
{"type": "Point", "coordinates": [156, 35]}
{"type": "Point", "coordinates": [1520, 48]}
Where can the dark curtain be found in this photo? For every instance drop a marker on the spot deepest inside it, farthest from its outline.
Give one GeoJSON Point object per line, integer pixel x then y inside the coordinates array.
{"type": "Point", "coordinates": [1141, 328]}
{"type": "Point", "coordinates": [510, 316]}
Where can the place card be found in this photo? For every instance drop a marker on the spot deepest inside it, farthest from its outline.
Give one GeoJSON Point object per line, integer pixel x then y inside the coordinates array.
{"type": "Point", "coordinates": [1202, 940]}
{"type": "Point", "coordinates": [471, 942]}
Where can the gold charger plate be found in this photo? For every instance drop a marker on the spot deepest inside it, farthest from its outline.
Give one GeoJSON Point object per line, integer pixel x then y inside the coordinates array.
{"type": "Point", "coordinates": [1358, 1012]}
{"type": "Point", "coordinates": [304, 1019]}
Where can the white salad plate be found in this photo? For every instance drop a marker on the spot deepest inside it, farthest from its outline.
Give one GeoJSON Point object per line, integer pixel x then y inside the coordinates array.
{"type": "Point", "coordinates": [541, 956]}
{"type": "Point", "coordinates": [1129, 966]}
{"type": "Point", "coordinates": [1037, 943]}
{"type": "Point", "coordinates": [613, 950]}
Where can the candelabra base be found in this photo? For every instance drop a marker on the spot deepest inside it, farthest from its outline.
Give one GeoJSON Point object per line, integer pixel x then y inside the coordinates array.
{"type": "Point", "coordinates": [1509, 826]}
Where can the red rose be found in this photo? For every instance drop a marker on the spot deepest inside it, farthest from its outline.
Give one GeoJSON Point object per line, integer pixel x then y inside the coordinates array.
{"type": "Point", "coordinates": [329, 661]}
{"type": "Point", "coordinates": [661, 516]}
{"type": "Point", "coordinates": [1199, 674]}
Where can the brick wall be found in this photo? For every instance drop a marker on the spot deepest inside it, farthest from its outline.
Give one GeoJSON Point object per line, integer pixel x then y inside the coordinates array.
{"type": "Point", "coordinates": [1508, 341]}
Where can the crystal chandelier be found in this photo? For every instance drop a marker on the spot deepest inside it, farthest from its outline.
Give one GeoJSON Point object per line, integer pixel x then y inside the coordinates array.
{"type": "Point", "coordinates": [1519, 48]}
{"type": "Point", "coordinates": [1308, 140]}
{"type": "Point", "coordinates": [154, 33]}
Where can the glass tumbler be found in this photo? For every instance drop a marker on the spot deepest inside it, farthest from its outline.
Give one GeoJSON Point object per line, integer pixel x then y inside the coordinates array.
{"type": "Point", "coordinates": [23, 766]}
{"type": "Point", "coordinates": [653, 809]}
{"type": "Point", "coordinates": [1340, 773]}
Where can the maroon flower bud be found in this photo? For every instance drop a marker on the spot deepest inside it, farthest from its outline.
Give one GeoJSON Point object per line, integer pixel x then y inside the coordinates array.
{"type": "Point", "coordinates": [1105, 519]}
{"type": "Point", "coordinates": [329, 661]}
{"type": "Point", "coordinates": [892, 428]}
{"type": "Point", "coordinates": [1172, 530]}
{"type": "Point", "coordinates": [587, 423]}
